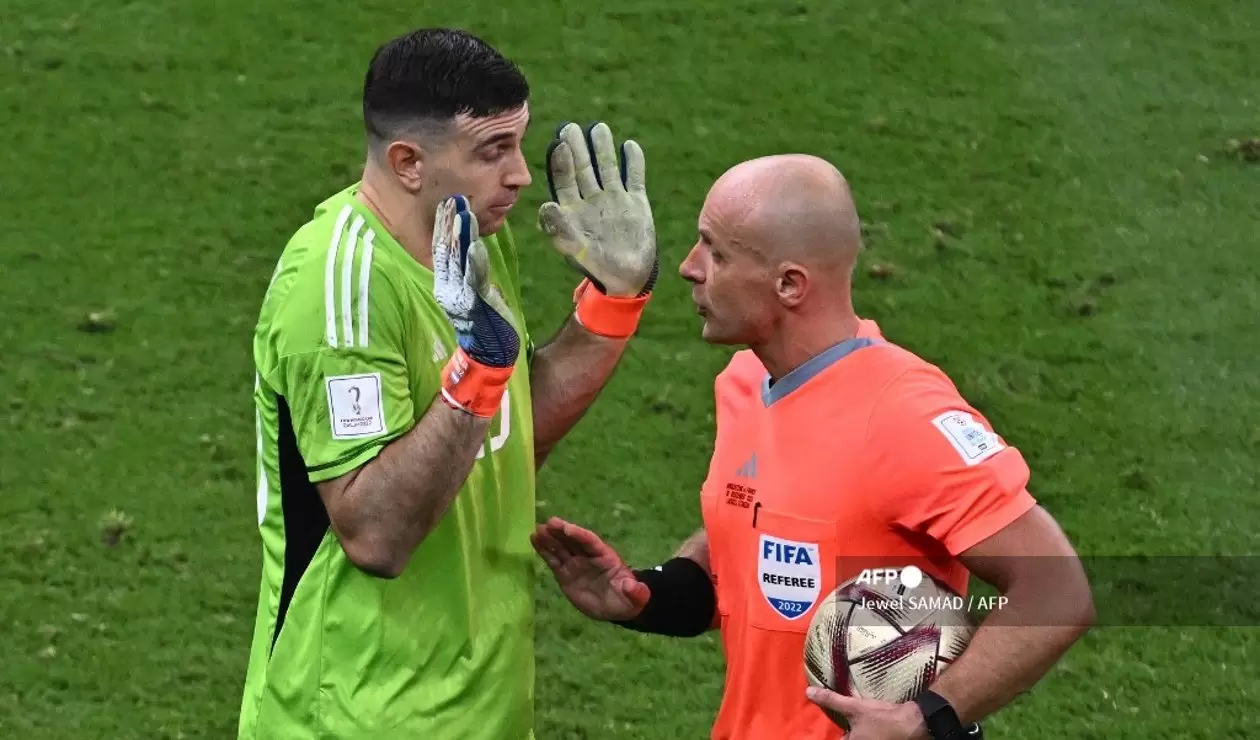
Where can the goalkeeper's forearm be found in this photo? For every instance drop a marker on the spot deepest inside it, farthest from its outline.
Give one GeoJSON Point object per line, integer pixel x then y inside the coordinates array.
{"type": "Point", "coordinates": [566, 376]}
{"type": "Point", "coordinates": [382, 511]}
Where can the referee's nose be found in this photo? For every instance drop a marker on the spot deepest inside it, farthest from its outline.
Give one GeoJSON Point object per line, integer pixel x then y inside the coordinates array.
{"type": "Point", "coordinates": [692, 266]}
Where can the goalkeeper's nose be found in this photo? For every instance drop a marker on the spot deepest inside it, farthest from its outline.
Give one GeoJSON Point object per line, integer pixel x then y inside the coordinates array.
{"type": "Point", "coordinates": [517, 175]}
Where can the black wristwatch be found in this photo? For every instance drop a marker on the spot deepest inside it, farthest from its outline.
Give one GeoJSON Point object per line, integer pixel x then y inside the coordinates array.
{"type": "Point", "coordinates": [942, 721]}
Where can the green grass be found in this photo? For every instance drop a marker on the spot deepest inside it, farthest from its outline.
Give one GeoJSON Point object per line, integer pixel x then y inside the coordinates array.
{"type": "Point", "coordinates": [1098, 302]}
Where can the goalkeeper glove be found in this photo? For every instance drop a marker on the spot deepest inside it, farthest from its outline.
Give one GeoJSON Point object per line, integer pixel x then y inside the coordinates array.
{"type": "Point", "coordinates": [477, 374]}
{"type": "Point", "coordinates": [600, 219]}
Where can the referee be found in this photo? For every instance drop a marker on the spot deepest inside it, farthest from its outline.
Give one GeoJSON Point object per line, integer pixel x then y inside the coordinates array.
{"type": "Point", "coordinates": [833, 446]}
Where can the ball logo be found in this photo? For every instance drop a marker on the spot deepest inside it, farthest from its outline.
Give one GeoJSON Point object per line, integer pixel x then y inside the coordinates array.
{"type": "Point", "coordinates": [789, 574]}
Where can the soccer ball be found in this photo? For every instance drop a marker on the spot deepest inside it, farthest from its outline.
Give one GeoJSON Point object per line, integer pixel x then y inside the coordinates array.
{"type": "Point", "coordinates": [886, 638]}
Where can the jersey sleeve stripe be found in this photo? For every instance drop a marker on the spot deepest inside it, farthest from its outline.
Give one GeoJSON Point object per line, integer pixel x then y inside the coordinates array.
{"type": "Point", "coordinates": [347, 271]}
{"type": "Point", "coordinates": [330, 272]}
{"type": "Point", "coordinates": [355, 452]}
{"type": "Point", "coordinates": [365, 276]}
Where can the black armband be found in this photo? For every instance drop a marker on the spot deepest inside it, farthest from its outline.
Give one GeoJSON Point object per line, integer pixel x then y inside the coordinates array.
{"type": "Point", "coordinates": [682, 602]}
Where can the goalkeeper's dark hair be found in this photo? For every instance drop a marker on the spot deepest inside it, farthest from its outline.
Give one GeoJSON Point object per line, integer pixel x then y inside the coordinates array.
{"type": "Point", "coordinates": [424, 79]}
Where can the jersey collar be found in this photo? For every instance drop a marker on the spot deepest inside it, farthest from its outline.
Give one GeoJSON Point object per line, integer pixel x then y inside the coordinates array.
{"type": "Point", "coordinates": [810, 368]}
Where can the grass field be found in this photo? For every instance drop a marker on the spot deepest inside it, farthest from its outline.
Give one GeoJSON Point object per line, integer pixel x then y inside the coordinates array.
{"type": "Point", "coordinates": [1093, 286]}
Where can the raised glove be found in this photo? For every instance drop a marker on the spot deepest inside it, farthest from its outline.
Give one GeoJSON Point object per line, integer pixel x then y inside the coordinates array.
{"type": "Point", "coordinates": [476, 375]}
{"type": "Point", "coordinates": [600, 219]}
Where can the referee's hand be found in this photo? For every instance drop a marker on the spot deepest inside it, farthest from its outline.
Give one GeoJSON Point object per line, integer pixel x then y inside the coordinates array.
{"type": "Point", "coordinates": [589, 572]}
{"type": "Point", "coordinates": [868, 719]}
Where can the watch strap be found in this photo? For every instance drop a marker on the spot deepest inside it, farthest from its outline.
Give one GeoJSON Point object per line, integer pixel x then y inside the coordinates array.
{"type": "Point", "coordinates": [939, 716]}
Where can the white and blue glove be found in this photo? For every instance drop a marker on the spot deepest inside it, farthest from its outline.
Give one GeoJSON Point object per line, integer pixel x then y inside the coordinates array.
{"type": "Point", "coordinates": [483, 322]}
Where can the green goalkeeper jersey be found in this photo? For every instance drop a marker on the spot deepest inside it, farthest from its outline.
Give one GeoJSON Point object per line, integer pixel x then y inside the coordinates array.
{"type": "Point", "coordinates": [349, 349]}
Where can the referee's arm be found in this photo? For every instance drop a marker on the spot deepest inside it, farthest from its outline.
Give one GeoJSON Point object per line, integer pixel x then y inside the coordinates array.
{"type": "Point", "coordinates": [1047, 608]}
{"type": "Point", "coordinates": [684, 600]}
{"type": "Point", "coordinates": [963, 486]}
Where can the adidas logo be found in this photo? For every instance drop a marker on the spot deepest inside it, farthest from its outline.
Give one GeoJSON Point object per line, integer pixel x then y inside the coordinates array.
{"type": "Point", "coordinates": [748, 469]}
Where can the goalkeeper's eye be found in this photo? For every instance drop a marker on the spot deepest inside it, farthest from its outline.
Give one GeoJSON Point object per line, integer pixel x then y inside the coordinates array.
{"type": "Point", "coordinates": [494, 153]}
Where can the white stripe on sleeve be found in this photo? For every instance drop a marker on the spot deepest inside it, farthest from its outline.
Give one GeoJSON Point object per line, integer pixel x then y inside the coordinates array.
{"type": "Point", "coordinates": [365, 276]}
{"type": "Point", "coordinates": [347, 270]}
{"type": "Point", "coordinates": [330, 280]}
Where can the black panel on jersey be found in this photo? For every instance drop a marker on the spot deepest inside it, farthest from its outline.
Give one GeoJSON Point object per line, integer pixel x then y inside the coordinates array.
{"type": "Point", "coordinates": [305, 518]}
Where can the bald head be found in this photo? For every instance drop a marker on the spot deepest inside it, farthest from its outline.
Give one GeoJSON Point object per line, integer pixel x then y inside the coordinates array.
{"type": "Point", "coordinates": [771, 269]}
{"type": "Point", "coordinates": [790, 207]}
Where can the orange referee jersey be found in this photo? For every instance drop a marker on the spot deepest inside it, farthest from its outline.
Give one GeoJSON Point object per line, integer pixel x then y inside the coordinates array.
{"type": "Point", "coordinates": [864, 455]}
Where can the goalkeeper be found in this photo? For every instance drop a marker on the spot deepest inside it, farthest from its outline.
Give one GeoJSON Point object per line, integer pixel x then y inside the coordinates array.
{"type": "Point", "coordinates": [403, 410]}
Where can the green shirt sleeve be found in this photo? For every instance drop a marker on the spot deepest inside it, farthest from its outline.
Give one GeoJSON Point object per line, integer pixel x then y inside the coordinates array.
{"type": "Point", "coordinates": [347, 402]}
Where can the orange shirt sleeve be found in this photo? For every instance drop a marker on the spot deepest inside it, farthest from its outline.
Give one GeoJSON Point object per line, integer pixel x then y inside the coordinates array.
{"type": "Point", "coordinates": [937, 467]}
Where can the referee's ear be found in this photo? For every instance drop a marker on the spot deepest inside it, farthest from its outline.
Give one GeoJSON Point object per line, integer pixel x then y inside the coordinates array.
{"type": "Point", "coordinates": [792, 284]}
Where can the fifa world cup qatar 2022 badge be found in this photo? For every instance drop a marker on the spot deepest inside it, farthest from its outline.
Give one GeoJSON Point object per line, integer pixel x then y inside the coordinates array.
{"type": "Point", "coordinates": [355, 406]}
{"type": "Point", "coordinates": [790, 574]}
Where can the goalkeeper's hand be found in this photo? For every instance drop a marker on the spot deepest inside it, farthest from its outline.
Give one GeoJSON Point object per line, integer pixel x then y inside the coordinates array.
{"type": "Point", "coordinates": [483, 323]}
{"type": "Point", "coordinates": [599, 217]}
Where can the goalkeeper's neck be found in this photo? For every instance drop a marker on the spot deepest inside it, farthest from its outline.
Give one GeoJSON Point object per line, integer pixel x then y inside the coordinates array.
{"type": "Point", "coordinates": [402, 213]}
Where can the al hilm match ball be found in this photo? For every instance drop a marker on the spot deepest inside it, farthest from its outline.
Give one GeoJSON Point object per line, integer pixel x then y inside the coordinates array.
{"type": "Point", "coordinates": [886, 636]}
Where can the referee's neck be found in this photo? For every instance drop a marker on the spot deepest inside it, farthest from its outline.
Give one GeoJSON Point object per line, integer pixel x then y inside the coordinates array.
{"type": "Point", "coordinates": [799, 339]}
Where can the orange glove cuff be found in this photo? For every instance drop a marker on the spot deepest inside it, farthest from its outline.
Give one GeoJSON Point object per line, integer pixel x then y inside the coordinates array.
{"type": "Point", "coordinates": [615, 317]}
{"type": "Point", "coordinates": [472, 387]}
